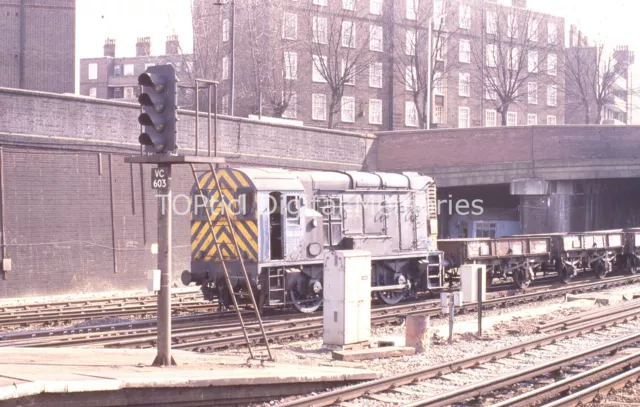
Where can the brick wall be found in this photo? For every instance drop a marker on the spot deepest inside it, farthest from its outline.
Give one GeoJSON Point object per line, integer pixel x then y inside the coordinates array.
{"type": "Point", "coordinates": [62, 158]}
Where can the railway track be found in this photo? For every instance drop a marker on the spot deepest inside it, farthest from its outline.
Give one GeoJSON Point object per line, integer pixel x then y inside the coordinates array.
{"type": "Point", "coordinates": [545, 381]}
{"type": "Point", "coordinates": [206, 333]}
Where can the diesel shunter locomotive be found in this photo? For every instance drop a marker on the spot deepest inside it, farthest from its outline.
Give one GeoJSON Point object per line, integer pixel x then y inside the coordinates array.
{"type": "Point", "coordinates": [284, 220]}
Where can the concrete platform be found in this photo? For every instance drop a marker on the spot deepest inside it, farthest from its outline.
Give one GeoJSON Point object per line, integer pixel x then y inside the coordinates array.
{"type": "Point", "coordinates": [124, 377]}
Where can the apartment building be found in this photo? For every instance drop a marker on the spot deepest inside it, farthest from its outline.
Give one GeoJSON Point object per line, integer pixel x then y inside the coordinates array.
{"type": "Point", "coordinates": [110, 77]}
{"type": "Point", "coordinates": [611, 86]}
{"type": "Point", "coordinates": [366, 61]}
{"type": "Point", "coordinates": [37, 50]}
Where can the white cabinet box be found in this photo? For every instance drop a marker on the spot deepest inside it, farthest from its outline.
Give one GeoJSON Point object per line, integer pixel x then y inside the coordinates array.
{"type": "Point", "coordinates": [347, 297]}
{"type": "Point", "coordinates": [469, 282]}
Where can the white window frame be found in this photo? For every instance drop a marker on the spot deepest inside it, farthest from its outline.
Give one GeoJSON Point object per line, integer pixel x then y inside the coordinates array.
{"type": "Point", "coordinates": [491, 58]}
{"type": "Point", "coordinates": [439, 12]}
{"type": "Point", "coordinates": [438, 114]}
{"type": "Point", "coordinates": [410, 114]}
{"type": "Point", "coordinates": [412, 7]}
{"type": "Point", "coordinates": [410, 79]}
{"type": "Point", "coordinates": [351, 79]}
{"type": "Point", "coordinates": [318, 101]}
{"type": "Point", "coordinates": [375, 75]}
{"type": "Point", "coordinates": [532, 93]}
{"type": "Point", "coordinates": [93, 92]}
{"type": "Point", "coordinates": [492, 22]}
{"type": "Point", "coordinates": [290, 65]}
{"type": "Point", "coordinates": [464, 51]}
{"type": "Point", "coordinates": [375, 7]}
{"type": "Point", "coordinates": [410, 37]}
{"type": "Point", "coordinates": [225, 30]}
{"type": "Point", "coordinates": [467, 113]}
{"type": "Point", "coordinates": [348, 115]}
{"type": "Point", "coordinates": [552, 64]}
{"type": "Point", "coordinates": [348, 40]}
{"type": "Point", "coordinates": [92, 71]}
{"type": "Point", "coordinates": [551, 120]}
{"type": "Point", "coordinates": [533, 30]}
{"type": "Point", "coordinates": [225, 68]}
{"type": "Point", "coordinates": [464, 13]}
{"type": "Point", "coordinates": [514, 59]}
{"type": "Point", "coordinates": [320, 3]}
{"type": "Point", "coordinates": [316, 69]}
{"type": "Point", "coordinates": [128, 70]}
{"type": "Point", "coordinates": [489, 91]}
{"type": "Point", "coordinates": [291, 112]}
{"type": "Point", "coordinates": [375, 111]}
{"type": "Point", "coordinates": [513, 118]}
{"type": "Point", "coordinates": [128, 92]}
{"type": "Point", "coordinates": [349, 5]}
{"type": "Point", "coordinates": [290, 22]}
{"type": "Point", "coordinates": [512, 26]}
{"type": "Point", "coordinates": [532, 61]}
{"type": "Point", "coordinates": [439, 83]}
{"type": "Point", "coordinates": [552, 33]}
{"type": "Point", "coordinates": [320, 30]}
{"type": "Point", "coordinates": [464, 84]}
{"type": "Point", "coordinates": [376, 36]}
{"type": "Point", "coordinates": [532, 119]}
{"type": "Point", "coordinates": [552, 90]}
{"type": "Point", "coordinates": [493, 114]}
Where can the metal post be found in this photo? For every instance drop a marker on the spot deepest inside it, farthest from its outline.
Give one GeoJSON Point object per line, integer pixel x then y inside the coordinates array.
{"type": "Point", "coordinates": [209, 120]}
{"type": "Point", "coordinates": [482, 28]}
{"type": "Point", "coordinates": [430, 62]}
{"type": "Point", "coordinates": [233, 52]}
{"type": "Point", "coordinates": [451, 308]}
{"type": "Point", "coordinates": [197, 112]}
{"type": "Point", "coordinates": [3, 236]}
{"type": "Point", "coordinates": [480, 302]}
{"type": "Point", "coordinates": [164, 357]}
{"type": "Point", "coordinates": [215, 120]}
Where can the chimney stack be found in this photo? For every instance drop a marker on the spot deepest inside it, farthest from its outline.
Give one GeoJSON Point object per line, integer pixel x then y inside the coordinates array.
{"type": "Point", "coordinates": [172, 46]}
{"type": "Point", "coordinates": [519, 3]}
{"type": "Point", "coordinates": [109, 48]}
{"type": "Point", "coordinates": [573, 41]}
{"type": "Point", "coordinates": [143, 47]}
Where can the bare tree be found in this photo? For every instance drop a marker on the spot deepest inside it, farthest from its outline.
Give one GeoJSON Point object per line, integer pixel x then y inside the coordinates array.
{"type": "Point", "coordinates": [514, 52]}
{"type": "Point", "coordinates": [339, 50]}
{"type": "Point", "coordinates": [591, 73]}
{"type": "Point", "coordinates": [414, 69]}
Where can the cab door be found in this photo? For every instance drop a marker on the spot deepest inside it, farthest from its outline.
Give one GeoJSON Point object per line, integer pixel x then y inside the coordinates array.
{"type": "Point", "coordinates": [292, 226]}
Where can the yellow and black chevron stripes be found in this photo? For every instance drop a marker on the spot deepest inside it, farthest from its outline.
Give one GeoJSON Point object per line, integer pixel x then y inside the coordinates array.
{"type": "Point", "coordinates": [202, 243]}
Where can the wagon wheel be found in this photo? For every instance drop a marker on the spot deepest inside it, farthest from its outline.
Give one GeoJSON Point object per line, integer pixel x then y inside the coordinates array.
{"type": "Point", "coordinates": [633, 266]}
{"type": "Point", "coordinates": [600, 269]}
{"type": "Point", "coordinates": [564, 272]}
{"type": "Point", "coordinates": [391, 297]}
{"type": "Point", "coordinates": [305, 302]}
{"type": "Point", "coordinates": [522, 277]}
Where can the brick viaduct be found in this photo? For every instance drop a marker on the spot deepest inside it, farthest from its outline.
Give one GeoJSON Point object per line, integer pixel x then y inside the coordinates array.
{"type": "Point", "coordinates": [77, 218]}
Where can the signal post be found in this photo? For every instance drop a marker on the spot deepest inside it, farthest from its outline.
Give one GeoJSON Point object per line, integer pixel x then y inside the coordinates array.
{"type": "Point", "coordinates": [159, 146]}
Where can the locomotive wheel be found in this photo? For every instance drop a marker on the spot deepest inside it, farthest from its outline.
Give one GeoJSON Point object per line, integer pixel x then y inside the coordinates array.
{"type": "Point", "coordinates": [600, 269]}
{"type": "Point", "coordinates": [391, 297]}
{"type": "Point", "coordinates": [565, 274]}
{"type": "Point", "coordinates": [634, 270]}
{"type": "Point", "coordinates": [305, 303]}
{"type": "Point", "coordinates": [522, 277]}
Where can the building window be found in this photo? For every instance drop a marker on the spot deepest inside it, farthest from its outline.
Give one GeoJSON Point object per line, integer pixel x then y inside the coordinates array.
{"type": "Point", "coordinates": [463, 117]}
{"type": "Point", "coordinates": [512, 119]}
{"type": "Point", "coordinates": [552, 64]}
{"type": "Point", "coordinates": [465, 16]}
{"type": "Point", "coordinates": [225, 30]}
{"type": "Point", "coordinates": [533, 30]}
{"type": "Point", "coordinates": [486, 229]}
{"type": "Point", "coordinates": [463, 84]}
{"type": "Point", "coordinates": [438, 13]}
{"type": "Point", "coordinates": [410, 42]}
{"type": "Point", "coordinates": [350, 76]}
{"type": "Point", "coordinates": [412, 9]}
{"type": "Point", "coordinates": [492, 55]}
{"type": "Point", "coordinates": [410, 114]}
{"type": "Point", "coordinates": [348, 111]}
{"type": "Point", "coordinates": [128, 70]}
{"type": "Point", "coordinates": [128, 93]}
{"type": "Point", "coordinates": [375, 7]}
{"type": "Point", "coordinates": [375, 38]}
{"type": "Point", "coordinates": [117, 70]}
{"type": "Point", "coordinates": [224, 105]}
{"type": "Point", "coordinates": [533, 93]}
{"type": "Point", "coordinates": [225, 68]}
{"type": "Point", "coordinates": [349, 4]}
{"type": "Point", "coordinates": [532, 119]}
{"type": "Point", "coordinates": [438, 83]}
{"type": "Point", "coordinates": [490, 92]}
{"type": "Point", "coordinates": [348, 34]}
{"type": "Point", "coordinates": [320, 2]}
{"type": "Point", "coordinates": [290, 26]}
{"type": "Point", "coordinates": [513, 59]}
{"type": "Point", "coordinates": [320, 30]}
{"type": "Point", "coordinates": [291, 112]}
{"type": "Point", "coordinates": [290, 65]}
{"type": "Point", "coordinates": [551, 120]}
{"type": "Point", "coordinates": [552, 33]}
{"type": "Point", "coordinates": [375, 111]}
{"type": "Point", "coordinates": [492, 22]}
{"type": "Point", "coordinates": [410, 78]}
{"type": "Point", "coordinates": [118, 93]}
{"type": "Point", "coordinates": [439, 51]}
{"type": "Point", "coordinates": [532, 59]}
{"type": "Point", "coordinates": [319, 106]}
{"type": "Point", "coordinates": [92, 92]}
{"type": "Point", "coordinates": [552, 93]}
{"type": "Point", "coordinates": [318, 68]}
{"type": "Point", "coordinates": [465, 51]}
{"type": "Point", "coordinates": [438, 114]}
{"type": "Point", "coordinates": [512, 26]}
{"type": "Point", "coordinates": [375, 75]}
{"type": "Point", "coordinates": [490, 118]}
{"type": "Point", "coordinates": [93, 71]}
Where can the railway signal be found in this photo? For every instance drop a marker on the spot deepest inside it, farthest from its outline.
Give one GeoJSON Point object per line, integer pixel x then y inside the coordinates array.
{"type": "Point", "coordinates": [159, 116]}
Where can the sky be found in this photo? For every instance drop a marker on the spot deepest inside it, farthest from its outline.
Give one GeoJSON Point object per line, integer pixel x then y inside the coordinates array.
{"type": "Point", "coordinates": [613, 21]}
